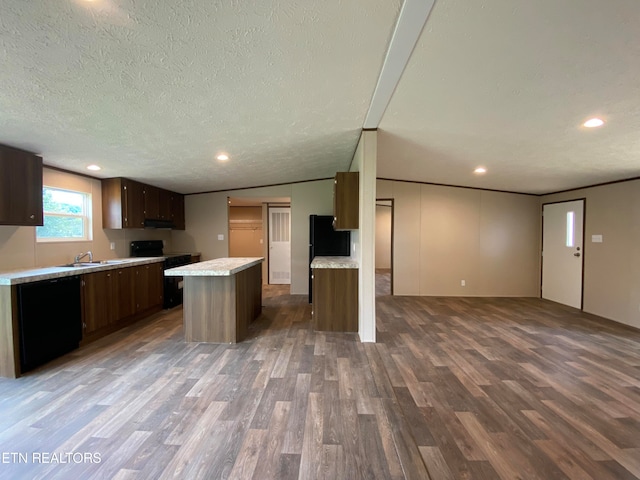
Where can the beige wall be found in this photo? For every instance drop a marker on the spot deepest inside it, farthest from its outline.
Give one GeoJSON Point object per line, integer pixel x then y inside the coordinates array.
{"type": "Point", "coordinates": [19, 249]}
{"type": "Point", "coordinates": [383, 236]}
{"type": "Point", "coordinates": [443, 235]}
{"type": "Point", "coordinates": [611, 268]}
{"type": "Point", "coordinates": [207, 217]}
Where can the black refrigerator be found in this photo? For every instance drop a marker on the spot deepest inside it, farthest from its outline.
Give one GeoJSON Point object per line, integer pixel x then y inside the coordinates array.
{"type": "Point", "coordinates": [324, 241]}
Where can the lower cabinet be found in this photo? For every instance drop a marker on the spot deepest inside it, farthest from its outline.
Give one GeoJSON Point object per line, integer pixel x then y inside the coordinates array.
{"type": "Point", "coordinates": [114, 298]}
{"type": "Point", "coordinates": [335, 299]}
{"type": "Point", "coordinates": [149, 296]}
{"type": "Point", "coordinates": [98, 309]}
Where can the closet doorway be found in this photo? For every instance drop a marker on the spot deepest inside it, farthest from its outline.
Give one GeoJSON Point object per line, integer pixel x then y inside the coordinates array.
{"type": "Point", "coordinates": [249, 227]}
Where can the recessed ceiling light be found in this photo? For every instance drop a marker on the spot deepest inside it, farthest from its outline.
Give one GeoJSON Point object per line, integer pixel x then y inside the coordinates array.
{"type": "Point", "coordinates": [593, 122]}
{"type": "Point", "coordinates": [480, 171]}
{"type": "Point", "coordinates": [95, 168]}
{"type": "Point", "coordinates": [223, 157]}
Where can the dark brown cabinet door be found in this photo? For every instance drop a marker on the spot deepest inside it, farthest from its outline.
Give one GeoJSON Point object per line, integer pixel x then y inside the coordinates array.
{"type": "Point", "coordinates": [133, 194]}
{"type": "Point", "coordinates": [97, 301]}
{"type": "Point", "coordinates": [124, 288]}
{"type": "Point", "coordinates": [151, 202]}
{"type": "Point", "coordinates": [177, 211]}
{"type": "Point", "coordinates": [20, 187]}
{"type": "Point", "coordinates": [122, 203]}
{"type": "Point", "coordinates": [346, 201]}
{"type": "Point", "coordinates": [148, 286]}
{"type": "Point", "coordinates": [164, 204]}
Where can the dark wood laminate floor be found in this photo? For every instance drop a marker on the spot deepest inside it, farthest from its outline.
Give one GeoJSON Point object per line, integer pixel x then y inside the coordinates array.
{"type": "Point", "coordinates": [466, 388]}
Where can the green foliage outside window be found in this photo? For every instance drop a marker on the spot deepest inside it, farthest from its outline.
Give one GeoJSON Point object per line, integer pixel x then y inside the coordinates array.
{"type": "Point", "coordinates": [65, 215]}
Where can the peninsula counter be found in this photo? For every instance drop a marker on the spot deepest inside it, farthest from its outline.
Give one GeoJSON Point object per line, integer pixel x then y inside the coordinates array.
{"type": "Point", "coordinates": [221, 298]}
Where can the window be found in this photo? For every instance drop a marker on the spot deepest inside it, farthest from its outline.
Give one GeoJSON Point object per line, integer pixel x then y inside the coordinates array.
{"type": "Point", "coordinates": [67, 216]}
{"type": "Point", "coordinates": [571, 228]}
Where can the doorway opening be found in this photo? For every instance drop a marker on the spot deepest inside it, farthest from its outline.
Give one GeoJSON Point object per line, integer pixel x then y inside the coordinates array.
{"type": "Point", "coordinates": [249, 229]}
{"type": "Point", "coordinates": [384, 247]}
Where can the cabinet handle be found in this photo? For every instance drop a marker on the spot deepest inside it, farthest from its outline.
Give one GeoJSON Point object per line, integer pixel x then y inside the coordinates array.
{"type": "Point", "coordinates": [32, 217]}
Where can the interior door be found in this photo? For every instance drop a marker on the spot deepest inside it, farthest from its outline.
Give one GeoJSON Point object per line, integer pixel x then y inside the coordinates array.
{"type": "Point", "coordinates": [562, 252]}
{"type": "Point", "coordinates": [279, 245]}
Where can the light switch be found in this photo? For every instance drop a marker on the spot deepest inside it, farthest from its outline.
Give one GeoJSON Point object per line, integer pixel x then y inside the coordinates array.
{"type": "Point", "coordinates": [220, 236]}
{"type": "Point", "coordinates": [112, 245]}
{"type": "Point", "coordinates": [596, 238]}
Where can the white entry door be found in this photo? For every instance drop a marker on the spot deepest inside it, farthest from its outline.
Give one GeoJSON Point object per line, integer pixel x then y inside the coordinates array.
{"type": "Point", "coordinates": [562, 252]}
{"type": "Point", "coordinates": [279, 245]}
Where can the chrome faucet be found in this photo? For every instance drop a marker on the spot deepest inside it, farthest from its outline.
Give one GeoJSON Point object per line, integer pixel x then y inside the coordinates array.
{"type": "Point", "coordinates": [82, 255]}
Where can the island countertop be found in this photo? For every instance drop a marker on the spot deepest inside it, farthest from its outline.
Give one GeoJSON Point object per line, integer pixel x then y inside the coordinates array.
{"type": "Point", "coordinates": [219, 267]}
{"type": "Point", "coordinates": [334, 262]}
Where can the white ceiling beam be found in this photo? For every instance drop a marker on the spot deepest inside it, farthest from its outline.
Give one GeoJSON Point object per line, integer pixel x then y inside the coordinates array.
{"type": "Point", "coordinates": [411, 21]}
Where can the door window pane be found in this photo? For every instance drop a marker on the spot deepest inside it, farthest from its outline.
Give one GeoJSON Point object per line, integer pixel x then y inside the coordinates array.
{"type": "Point", "coordinates": [571, 228]}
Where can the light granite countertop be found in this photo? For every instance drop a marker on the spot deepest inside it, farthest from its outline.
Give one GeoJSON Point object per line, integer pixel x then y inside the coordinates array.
{"type": "Point", "coordinates": [15, 277]}
{"type": "Point", "coordinates": [334, 262]}
{"type": "Point", "coordinates": [220, 267]}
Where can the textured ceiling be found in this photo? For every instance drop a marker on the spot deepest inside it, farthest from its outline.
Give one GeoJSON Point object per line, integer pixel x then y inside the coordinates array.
{"type": "Point", "coordinates": [507, 84]}
{"type": "Point", "coordinates": [153, 90]}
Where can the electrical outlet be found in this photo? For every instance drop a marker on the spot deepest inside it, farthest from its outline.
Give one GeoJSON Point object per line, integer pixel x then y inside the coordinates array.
{"type": "Point", "coordinates": [112, 245]}
{"type": "Point", "coordinates": [462, 283]}
{"type": "Point", "coordinates": [220, 236]}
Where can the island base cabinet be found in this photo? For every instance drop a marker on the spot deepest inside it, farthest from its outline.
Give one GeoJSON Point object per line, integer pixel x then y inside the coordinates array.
{"type": "Point", "coordinates": [335, 299]}
{"type": "Point", "coordinates": [219, 309]}
{"type": "Point", "coordinates": [248, 299]}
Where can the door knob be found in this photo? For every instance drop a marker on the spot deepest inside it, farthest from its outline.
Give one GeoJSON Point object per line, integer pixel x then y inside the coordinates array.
{"type": "Point", "coordinates": [576, 254]}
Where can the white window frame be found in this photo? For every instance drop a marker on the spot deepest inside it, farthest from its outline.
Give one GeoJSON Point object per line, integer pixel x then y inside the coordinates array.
{"type": "Point", "coordinates": [85, 215]}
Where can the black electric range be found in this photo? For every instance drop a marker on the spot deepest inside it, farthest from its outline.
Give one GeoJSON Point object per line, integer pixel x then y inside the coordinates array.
{"type": "Point", "coordinates": [172, 285]}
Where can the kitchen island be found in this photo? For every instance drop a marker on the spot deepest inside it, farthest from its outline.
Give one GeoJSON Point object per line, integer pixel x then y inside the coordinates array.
{"type": "Point", "coordinates": [221, 298]}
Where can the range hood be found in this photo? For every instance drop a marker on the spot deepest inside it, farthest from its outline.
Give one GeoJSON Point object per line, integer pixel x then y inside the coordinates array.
{"type": "Point", "coordinates": [157, 223]}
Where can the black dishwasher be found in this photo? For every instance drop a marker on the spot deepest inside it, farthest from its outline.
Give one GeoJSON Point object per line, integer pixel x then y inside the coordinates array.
{"type": "Point", "coordinates": [50, 320]}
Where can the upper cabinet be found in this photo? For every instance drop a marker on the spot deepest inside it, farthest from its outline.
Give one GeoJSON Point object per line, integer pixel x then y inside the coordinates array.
{"type": "Point", "coordinates": [346, 201]}
{"type": "Point", "coordinates": [20, 187]}
{"type": "Point", "coordinates": [151, 202]}
{"type": "Point", "coordinates": [130, 204]}
{"type": "Point", "coordinates": [177, 210]}
{"type": "Point", "coordinates": [122, 203]}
